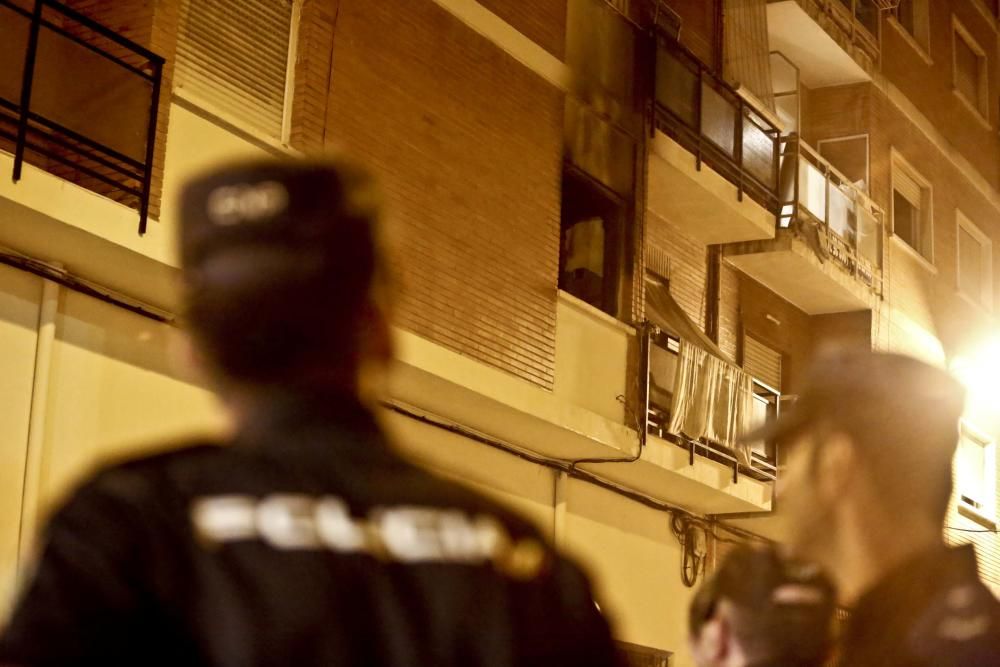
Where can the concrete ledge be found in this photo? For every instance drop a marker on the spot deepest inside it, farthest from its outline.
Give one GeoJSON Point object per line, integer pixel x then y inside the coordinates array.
{"type": "Point", "coordinates": [689, 197]}
{"type": "Point", "coordinates": [487, 400]}
{"type": "Point", "coordinates": [49, 219]}
{"type": "Point", "coordinates": [788, 267]}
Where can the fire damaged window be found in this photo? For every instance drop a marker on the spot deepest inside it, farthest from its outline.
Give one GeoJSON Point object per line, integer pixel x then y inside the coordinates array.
{"type": "Point", "coordinates": [592, 222]}
{"type": "Point", "coordinates": [602, 127]}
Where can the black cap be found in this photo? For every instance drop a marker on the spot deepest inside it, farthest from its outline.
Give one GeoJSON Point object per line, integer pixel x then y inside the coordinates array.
{"type": "Point", "coordinates": [279, 257]}
{"type": "Point", "coordinates": [324, 207]}
{"type": "Point", "coordinates": [880, 391]}
{"type": "Point", "coordinates": [793, 602]}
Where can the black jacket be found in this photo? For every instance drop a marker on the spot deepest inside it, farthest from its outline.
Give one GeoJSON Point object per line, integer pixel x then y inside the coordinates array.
{"type": "Point", "coordinates": [307, 542]}
{"type": "Point", "coordinates": [932, 611]}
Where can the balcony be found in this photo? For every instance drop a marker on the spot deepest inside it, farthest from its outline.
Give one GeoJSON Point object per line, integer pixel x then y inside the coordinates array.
{"type": "Point", "coordinates": [716, 433]}
{"type": "Point", "coordinates": [78, 101]}
{"type": "Point", "coordinates": [827, 254]}
{"type": "Point", "coordinates": [834, 42]}
{"type": "Point", "coordinates": [714, 156]}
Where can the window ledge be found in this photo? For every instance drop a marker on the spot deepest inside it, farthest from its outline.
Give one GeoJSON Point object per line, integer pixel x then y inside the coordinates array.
{"type": "Point", "coordinates": [595, 313]}
{"type": "Point", "coordinates": [911, 40]}
{"type": "Point", "coordinates": [978, 305]}
{"type": "Point", "coordinates": [197, 105]}
{"type": "Point", "coordinates": [991, 20]}
{"type": "Point", "coordinates": [910, 250]}
{"type": "Point", "coordinates": [976, 112]}
{"type": "Point", "coordinates": [971, 513]}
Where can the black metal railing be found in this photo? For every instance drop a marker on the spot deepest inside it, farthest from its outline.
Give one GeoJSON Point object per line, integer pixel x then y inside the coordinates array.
{"type": "Point", "coordinates": [660, 352]}
{"type": "Point", "coordinates": [78, 100]}
{"type": "Point", "coordinates": [848, 224]}
{"type": "Point", "coordinates": [706, 116]}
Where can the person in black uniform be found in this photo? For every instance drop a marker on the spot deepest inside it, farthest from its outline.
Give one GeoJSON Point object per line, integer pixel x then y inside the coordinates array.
{"type": "Point", "coordinates": [762, 610]}
{"type": "Point", "coordinates": [308, 541]}
{"type": "Point", "coordinates": [866, 491]}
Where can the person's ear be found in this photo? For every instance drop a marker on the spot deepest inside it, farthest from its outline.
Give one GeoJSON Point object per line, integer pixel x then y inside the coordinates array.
{"type": "Point", "coordinates": [712, 643]}
{"type": "Point", "coordinates": [836, 468]}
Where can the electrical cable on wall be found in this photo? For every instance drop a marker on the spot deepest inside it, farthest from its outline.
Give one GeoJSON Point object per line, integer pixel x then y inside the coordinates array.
{"type": "Point", "coordinates": [692, 530]}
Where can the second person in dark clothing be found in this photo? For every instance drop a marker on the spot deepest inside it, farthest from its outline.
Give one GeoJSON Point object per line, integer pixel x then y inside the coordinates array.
{"type": "Point", "coordinates": [866, 491]}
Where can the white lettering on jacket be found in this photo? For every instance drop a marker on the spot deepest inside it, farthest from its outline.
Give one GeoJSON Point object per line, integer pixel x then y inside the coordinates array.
{"type": "Point", "coordinates": [408, 534]}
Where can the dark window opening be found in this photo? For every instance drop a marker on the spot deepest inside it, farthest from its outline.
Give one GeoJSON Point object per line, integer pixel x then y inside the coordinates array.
{"type": "Point", "coordinates": [592, 241]}
{"type": "Point", "coordinates": [906, 221]}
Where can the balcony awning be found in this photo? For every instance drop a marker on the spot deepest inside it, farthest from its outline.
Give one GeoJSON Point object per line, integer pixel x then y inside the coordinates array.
{"type": "Point", "coordinates": [663, 311]}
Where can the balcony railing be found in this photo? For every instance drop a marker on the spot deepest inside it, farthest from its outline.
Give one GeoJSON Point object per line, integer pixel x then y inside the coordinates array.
{"type": "Point", "coordinates": [78, 100]}
{"type": "Point", "coordinates": [831, 212]}
{"type": "Point", "coordinates": [857, 20]}
{"type": "Point", "coordinates": [708, 117]}
{"type": "Point", "coordinates": [661, 356]}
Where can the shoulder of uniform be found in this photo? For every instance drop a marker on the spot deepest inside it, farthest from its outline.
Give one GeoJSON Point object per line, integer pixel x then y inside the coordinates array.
{"type": "Point", "coordinates": [132, 478]}
{"type": "Point", "coordinates": [962, 622]}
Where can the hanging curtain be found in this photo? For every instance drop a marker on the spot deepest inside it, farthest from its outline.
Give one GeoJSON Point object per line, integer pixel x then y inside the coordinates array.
{"type": "Point", "coordinates": [746, 50]}
{"type": "Point", "coordinates": [712, 400]}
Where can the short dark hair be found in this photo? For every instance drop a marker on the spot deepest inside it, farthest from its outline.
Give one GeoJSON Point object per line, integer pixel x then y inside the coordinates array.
{"type": "Point", "coordinates": [279, 260]}
{"type": "Point", "coordinates": [767, 626]}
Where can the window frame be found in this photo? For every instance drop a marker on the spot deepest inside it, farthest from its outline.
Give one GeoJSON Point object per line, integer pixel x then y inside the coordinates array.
{"type": "Point", "coordinates": [979, 107]}
{"type": "Point", "coordinates": [282, 142]}
{"type": "Point", "coordinates": [901, 166]}
{"type": "Point", "coordinates": [985, 300]}
{"type": "Point", "coordinates": [614, 238]}
{"type": "Point", "coordinates": [851, 137]}
{"type": "Point", "coordinates": [917, 41]}
{"type": "Point", "coordinates": [986, 513]}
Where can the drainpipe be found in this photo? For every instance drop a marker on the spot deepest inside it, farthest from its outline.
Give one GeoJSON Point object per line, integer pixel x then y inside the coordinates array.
{"type": "Point", "coordinates": [559, 506]}
{"type": "Point", "coordinates": [36, 423]}
{"type": "Point", "coordinates": [713, 291]}
{"type": "Point", "coordinates": [719, 45]}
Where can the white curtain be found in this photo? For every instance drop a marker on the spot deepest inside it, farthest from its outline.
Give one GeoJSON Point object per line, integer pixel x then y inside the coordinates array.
{"type": "Point", "coordinates": [712, 400]}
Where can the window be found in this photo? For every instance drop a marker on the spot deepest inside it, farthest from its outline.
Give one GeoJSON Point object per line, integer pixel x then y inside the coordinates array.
{"type": "Point", "coordinates": [764, 364]}
{"type": "Point", "coordinates": [975, 472]}
{"type": "Point", "coordinates": [911, 209]}
{"type": "Point", "coordinates": [969, 76]}
{"type": "Point", "coordinates": [592, 221]}
{"type": "Point", "coordinates": [914, 17]}
{"type": "Point", "coordinates": [975, 263]}
{"type": "Point", "coordinates": [849, 156]}
{"type": "Point", "coordinates": [601, 131]}
{"type": "Point", "coordinates": [234, 57]}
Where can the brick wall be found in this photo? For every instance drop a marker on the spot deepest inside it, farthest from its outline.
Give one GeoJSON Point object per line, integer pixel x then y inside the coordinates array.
{"type": "Point", "coordinates": [913, 292]}
{"type": "Point", "coordinates": [542, 21]}
{"type": "Point", "coordinates": [929, 296]}
{"type": "Point", "coordinates": [730, 318]}
{"type": "Point", "coordinates": [699, 27]}
{"type": "Point", "coordinates": [930, 86]}
{"type": "Point", "coordinates": [779, 325]}
{"type": "Point", "coordinates": [468, 143]}
{"type": "Point", "coordinates": [312, 74]}
{"type": "Point", "coordinates": [688, 266]}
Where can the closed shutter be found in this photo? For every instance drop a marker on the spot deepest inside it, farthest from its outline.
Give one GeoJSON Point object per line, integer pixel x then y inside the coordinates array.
{"type": "Point", "coordinates": [762, 362]}
{"type": "Point", "coordinates": [905, 185]}
{"type": "Point", "coordinates": [233, 55]}
{"type": "Point", "coordinates": [967, 70]}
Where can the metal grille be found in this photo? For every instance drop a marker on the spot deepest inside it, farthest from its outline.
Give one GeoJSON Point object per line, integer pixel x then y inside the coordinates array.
{"type": "Point", "coordinates": [233, 55]}
{"type": "Point", "coordinates": [658, 262]}
{"type": "Point", "coordinates": [643, 656]}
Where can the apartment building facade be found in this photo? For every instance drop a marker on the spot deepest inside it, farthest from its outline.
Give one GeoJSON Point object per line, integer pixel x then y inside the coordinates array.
{"type": "Point", "coordinates": [619, 229]}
